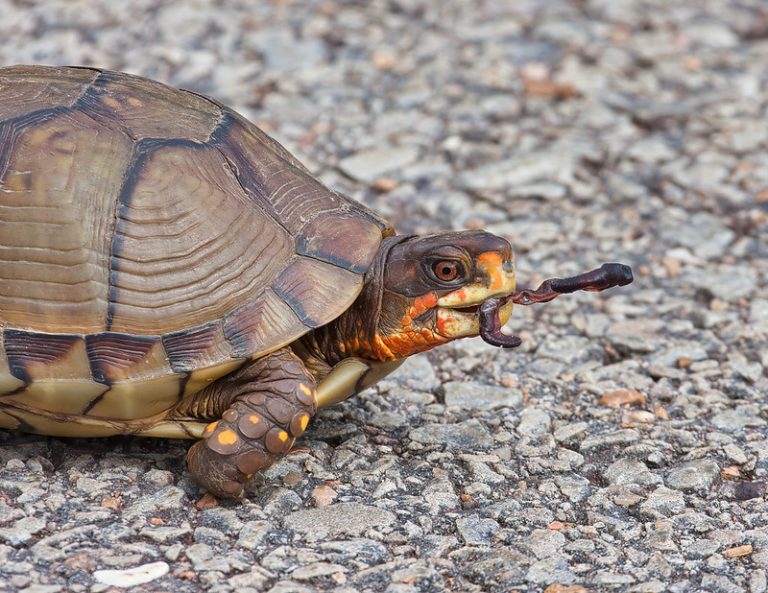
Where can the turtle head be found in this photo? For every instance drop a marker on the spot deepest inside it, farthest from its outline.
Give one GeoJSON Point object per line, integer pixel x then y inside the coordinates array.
{"type": "Point", "coordinates": [437, 288]}
{"type": "Point", "coordinates": [421, 292]}
{"type": "Point", "coordinates": [426, 291]}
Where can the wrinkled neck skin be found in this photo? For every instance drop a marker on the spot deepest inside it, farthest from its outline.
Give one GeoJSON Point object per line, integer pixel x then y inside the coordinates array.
{"type": "Point", "coordinates": [372, 328]}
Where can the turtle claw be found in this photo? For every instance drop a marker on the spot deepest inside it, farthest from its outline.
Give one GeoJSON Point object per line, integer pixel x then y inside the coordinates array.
{"type": "Point", "coordinates": [214, 472]}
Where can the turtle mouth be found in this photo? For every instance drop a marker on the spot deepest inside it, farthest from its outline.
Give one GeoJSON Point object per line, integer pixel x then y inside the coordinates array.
{"type": "Point", "coordinates": [470, 310]}
{"type": "Point", "coordinates": [484, 318]}
{"type": "Point", "coordinates": [491, 315]}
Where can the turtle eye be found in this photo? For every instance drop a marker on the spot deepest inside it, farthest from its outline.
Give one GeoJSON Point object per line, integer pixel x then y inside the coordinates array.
{"type": "Point", "coordinates": [446, 270]}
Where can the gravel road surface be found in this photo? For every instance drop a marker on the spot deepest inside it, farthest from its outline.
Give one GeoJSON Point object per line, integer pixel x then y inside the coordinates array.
{"type": "Point", "coordinates": [623, 447]}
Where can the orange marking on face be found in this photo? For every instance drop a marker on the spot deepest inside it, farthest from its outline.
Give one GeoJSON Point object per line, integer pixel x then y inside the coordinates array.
{"type": "Point", "coordinates": [282, 435]}
{"type": "Point", "coordinates": [440, 324]}
{"type": "Point", "coordinates": [227, 437]}
{"type": "Point", "coordinates": [306, 390]}
{"type": "Point", "coordinates": [491, 261]}
{"type": "Point", "coordinates": [211, 427]}
{"type": "Point", "coordinates": [422, 303]}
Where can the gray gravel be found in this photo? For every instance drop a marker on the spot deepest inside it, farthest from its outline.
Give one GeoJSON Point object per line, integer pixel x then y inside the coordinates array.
{"type": "Point", "coordinates": [602, 130]}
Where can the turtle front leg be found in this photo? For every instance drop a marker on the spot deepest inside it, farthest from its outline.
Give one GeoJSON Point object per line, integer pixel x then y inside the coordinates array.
{"type": "Point", "coordinates": [267, 404]}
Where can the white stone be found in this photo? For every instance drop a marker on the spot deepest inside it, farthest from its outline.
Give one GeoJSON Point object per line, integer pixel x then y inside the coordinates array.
{"type": "Point", "coordinates": [130, 577]}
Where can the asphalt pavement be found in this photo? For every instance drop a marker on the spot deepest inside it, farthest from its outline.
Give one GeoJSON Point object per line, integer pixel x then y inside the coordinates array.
{"type": "Point", "coordinates": [622, 447]}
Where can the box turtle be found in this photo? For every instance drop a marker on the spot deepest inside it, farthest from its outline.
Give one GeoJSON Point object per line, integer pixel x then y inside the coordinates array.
{"type": "Point", "coordinates": [169, 270]}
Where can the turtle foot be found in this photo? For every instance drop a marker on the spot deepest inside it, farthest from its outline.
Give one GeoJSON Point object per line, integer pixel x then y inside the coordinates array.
{"type": "Point", "coordinates": [272, 402]}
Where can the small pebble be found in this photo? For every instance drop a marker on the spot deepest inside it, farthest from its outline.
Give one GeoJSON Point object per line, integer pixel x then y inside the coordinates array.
{"type": "Point", "coordinates": [324, 495]}
{"type": "Point", "coordinates": [622, 397]}
{"type": "Point", "coordinates": [131, 577]}
{"type": "Point", "coordinates": [738, 551]}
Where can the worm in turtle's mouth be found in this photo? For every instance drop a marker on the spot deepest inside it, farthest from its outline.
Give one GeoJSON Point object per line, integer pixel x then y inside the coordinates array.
{"type": "Point", "coordinates": [491, 323]}
{"type": "Point", "coordinates": [492, 310]}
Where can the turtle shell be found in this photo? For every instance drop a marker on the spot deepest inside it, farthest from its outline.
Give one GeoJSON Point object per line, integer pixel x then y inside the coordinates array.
{"type": "Point", "coordinates": [151, 241]}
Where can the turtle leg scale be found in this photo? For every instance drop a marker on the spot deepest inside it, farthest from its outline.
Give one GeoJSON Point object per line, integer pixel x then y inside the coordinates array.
{"type": "Point", "coordinates": [269, 404]}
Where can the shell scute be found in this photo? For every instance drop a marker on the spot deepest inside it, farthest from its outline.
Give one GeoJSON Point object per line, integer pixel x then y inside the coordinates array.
{"type": "Point", "coordinates": [33, 356]}
{"type": "Point", "coordinates": [312, 289]}
{"type": "Point", "coordinates": [55, 224]}
{"type": "Point", "coordinates": [28, 90]}
{"type": "Point", "coordinates": [148, 109]}
{"type": "Point", "coordinates": [188, 247]}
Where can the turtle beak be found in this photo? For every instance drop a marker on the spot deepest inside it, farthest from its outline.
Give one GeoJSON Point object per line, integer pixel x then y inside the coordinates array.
{"type": "Point", "coordinates": [458, 312]}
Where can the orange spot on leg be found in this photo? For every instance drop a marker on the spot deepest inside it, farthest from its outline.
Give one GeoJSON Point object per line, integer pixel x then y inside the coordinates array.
{"type": "Point", "coordinates": [227, 437]}
{"type": "Point", "coordinates": [299, 424]}
{"type": "Point", "coordinates": [277, 441]}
